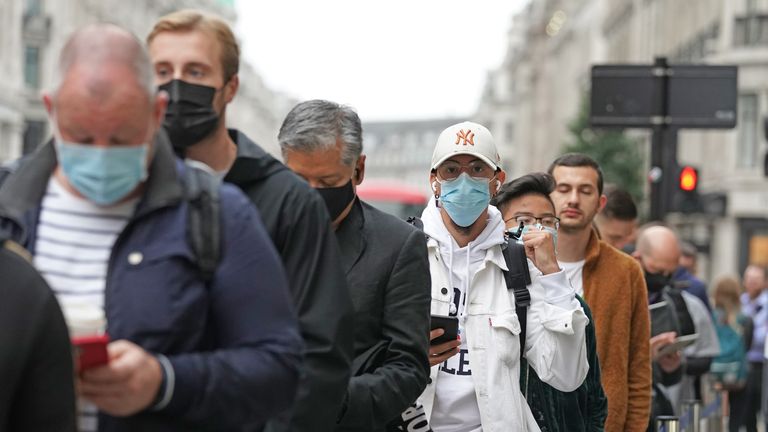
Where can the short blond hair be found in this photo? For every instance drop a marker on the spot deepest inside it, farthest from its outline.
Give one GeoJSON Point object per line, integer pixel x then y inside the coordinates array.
{"type": "Point", "coordinates": [189, 20]}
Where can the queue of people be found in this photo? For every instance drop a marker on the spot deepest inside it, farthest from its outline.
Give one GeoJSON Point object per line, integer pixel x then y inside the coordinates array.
{"type": "Point", "coordinates": [223, 289]}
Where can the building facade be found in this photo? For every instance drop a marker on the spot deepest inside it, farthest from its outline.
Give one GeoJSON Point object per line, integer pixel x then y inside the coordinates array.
{"type": "Point", "coordinates": [401, 151]}
{"type": "Point", "coordinates": [537, 92]}
{"type": "Point", "coordinates": [531, 99]}
{"type": "Point", "coordinates": [43, 27]}
{"type": "Point", "coordinates": [12, 85]}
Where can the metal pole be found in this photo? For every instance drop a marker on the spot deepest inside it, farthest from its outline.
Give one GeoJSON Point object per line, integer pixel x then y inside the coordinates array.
{"type": "Point", "coordinates": [659, 175]}
{"type": "Point", "coordinates": [692, 410]}
{"type": "Point", "coordinates": [667, 424]}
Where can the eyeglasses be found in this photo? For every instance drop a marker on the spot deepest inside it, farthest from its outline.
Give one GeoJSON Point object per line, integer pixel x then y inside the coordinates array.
{"type": "Point", "coordinates": [529, 219]}
{"type": "Point", "coordinates": [477, 169]}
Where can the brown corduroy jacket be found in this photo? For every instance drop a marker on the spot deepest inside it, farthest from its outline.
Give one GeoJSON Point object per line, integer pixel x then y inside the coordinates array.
{"type": "Point", "coordinates": [614, 288]}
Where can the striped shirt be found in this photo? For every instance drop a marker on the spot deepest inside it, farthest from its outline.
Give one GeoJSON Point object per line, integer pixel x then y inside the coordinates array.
{"type": "Point", "coordinates": [74, 243]}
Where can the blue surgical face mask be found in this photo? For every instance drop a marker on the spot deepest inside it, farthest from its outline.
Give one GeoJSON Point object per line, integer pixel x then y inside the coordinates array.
{"type": "Point", "coordinates": [540, 227]}
{"type": "Point", "coordinates": [465, 198]}
{"type": "Point", "coordinates": [103, 175]}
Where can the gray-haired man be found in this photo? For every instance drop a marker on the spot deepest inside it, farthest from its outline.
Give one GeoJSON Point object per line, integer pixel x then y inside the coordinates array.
{"type": "Point", "coordinates": [385, 261]}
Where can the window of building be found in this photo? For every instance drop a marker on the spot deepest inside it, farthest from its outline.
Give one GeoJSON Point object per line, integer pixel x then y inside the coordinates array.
{"type": "Point", "coordinates": [747, 135]}
{"type": "Point", "coordinates": [509, 132]}
{"type": "Point", "coordinates": [33, 7]}
{"type": "Point", "coordinates": [32, 67]}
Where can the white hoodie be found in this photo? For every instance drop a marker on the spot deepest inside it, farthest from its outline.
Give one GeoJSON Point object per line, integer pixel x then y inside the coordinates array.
{"type": "Point", "coordinates": [478, 390]}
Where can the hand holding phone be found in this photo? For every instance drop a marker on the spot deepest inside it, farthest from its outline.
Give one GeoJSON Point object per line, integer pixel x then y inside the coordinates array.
{"type": "Point", "coordinates": [444, 339]}
{"type": "Point", "coordinates": [450, 326]}
{"type": "Point", "coordinates": [91, 351]}
{"type": "Point", "coordinates": [680, 343]}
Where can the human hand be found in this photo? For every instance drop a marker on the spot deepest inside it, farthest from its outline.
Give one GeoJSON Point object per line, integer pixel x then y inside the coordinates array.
{"type": "Point", "coordinates": [540, 248]}
{"type": "Point", "coordinates": [444, 351]}
{"type": "Point", "coordinates": [670, 362]}
{"type": "Point", "coordinates": [127, 384]}
{"type": "Point", "coordinates": [659, 341]}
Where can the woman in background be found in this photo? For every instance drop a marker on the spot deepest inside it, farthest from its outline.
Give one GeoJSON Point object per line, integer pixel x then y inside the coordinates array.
{"type": "Point", "coordinates": [734, 331]}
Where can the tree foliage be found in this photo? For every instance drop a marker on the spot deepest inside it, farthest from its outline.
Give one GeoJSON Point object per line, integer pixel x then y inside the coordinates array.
{"type": "Point", "coordinates": [620, 157]}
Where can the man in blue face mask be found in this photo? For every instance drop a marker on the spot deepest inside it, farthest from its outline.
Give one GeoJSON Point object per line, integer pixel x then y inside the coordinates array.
{"type": "Point", "coordinates": [526, 207]}
{"type": "Point", "coordinates": [474, 381]}
{"type": "Point", "coordinates": [104, 210]}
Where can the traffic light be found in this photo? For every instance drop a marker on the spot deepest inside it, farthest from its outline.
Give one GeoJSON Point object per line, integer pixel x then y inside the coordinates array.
{"type": "Point", "coordinates": [686, 197]}
{"type": "Point", "coordinates": [688, 179]}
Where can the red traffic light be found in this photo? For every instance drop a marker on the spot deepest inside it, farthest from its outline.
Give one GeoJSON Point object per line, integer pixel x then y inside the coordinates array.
{"type": "Point", "coordinates": [689, 178]}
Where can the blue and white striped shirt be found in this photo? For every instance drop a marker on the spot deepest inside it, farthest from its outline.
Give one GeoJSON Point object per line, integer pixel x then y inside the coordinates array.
{"type": "Point", "coordinates": [74, 242]}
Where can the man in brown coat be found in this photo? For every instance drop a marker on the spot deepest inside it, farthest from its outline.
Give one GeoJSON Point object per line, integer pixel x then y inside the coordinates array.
{"type": "Point", "coordinates": [613, 285]}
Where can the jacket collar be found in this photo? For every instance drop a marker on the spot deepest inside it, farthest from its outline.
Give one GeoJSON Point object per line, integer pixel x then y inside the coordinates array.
{"type": "Point", "coordinates": [252, 163]}
{"type": "Point", "coordinates": [351, 236]}
{"type": "Point", "coordinates": [24, 189]}
{"type": "Point", "coordinates": [593, 249]}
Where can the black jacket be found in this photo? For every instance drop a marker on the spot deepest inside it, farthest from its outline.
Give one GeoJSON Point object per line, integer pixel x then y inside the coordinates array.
{"type": "Point", "coordinates": [37, 392]}
{"type": "Point", "coordinates": [388, 273]}
{"type": "Point", "coordinates": [298, 223]}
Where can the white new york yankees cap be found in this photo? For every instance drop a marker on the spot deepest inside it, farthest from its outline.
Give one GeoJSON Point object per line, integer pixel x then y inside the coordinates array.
{"type": "Point", "coordinates": [466, 138]}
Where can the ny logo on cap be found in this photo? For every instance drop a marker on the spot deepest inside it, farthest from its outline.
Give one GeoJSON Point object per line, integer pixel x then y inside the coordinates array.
{"type": "Point", "coordinates": [468, 137]}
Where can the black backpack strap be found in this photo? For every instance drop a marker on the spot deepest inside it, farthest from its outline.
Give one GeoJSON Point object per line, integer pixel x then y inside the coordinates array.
{"type": "Point", "coordinates": [683, 315]}
{"type": "Point", "coordinates": [518, 278]}
{"type": "Point", "coordinates": [203, 221]}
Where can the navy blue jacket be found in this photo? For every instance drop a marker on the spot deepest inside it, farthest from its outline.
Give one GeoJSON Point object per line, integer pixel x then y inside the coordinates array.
{"type": "Point", "coordinates": [234, 344]}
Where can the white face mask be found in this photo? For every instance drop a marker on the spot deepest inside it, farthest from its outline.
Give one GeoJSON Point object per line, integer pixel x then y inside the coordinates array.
{"type": "Point", "coordinates": [534, 227]}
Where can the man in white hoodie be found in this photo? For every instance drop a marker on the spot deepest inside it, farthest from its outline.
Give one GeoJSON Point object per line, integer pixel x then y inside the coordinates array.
{"type": "Point", "coordinates": [474, 381]}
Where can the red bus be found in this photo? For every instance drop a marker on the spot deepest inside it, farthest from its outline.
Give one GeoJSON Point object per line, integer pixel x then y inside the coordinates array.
{"type": "Point", "coordinates": [393, 197]}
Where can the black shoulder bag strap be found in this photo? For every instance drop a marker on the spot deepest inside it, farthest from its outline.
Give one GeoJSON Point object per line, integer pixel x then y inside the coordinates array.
{"type": "Point", "coordinates": [204, 223]}
{"type": "Point", "coordinates": [518, 278]}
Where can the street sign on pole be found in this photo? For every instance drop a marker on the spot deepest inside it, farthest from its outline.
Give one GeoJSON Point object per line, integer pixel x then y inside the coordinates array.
{"type": "Point", "coordinates": [664, 98]}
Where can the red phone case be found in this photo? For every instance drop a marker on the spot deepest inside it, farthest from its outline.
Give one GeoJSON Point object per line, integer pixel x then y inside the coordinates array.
{"type": "Point", "coordinates": [92, 351]}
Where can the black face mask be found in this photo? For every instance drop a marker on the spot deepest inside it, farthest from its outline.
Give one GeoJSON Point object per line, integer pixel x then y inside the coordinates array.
{"type": "Point", "coordinates": [337, 198]}
{"type": "Point", "coordinates": [656, 281]}
{"type": "Point", "coordinates": [190, 116]}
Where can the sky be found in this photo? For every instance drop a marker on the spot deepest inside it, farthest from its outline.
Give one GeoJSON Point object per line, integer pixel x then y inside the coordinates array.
{"type": "Point", "coordinates": [390, 60]}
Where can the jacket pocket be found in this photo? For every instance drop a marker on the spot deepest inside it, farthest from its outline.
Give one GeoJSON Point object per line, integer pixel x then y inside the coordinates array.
{"type": "Point", "coordinates": [506, 336]}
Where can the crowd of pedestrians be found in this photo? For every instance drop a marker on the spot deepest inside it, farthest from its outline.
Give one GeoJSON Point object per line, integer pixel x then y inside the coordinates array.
{"type": "Point", "coordinates": [162, 272]}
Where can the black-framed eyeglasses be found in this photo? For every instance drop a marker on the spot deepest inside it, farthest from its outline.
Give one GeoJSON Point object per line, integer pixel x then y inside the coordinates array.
{"type": "Point", "coordinates": [548, 221]}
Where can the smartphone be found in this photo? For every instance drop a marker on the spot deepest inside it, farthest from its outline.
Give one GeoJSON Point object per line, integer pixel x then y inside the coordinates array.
{"type": "Point", "coordinates": [680, 343]}
{"type": "Point", "coordinates": [449, 324]}
{"type": "Point", "coordinates": [91, 351]}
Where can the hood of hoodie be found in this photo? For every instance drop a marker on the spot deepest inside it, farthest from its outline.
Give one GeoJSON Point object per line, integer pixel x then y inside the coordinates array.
{"type": "Point", "coordinates": [462, 263]}
{"type": "Point", "coordinates": [252, 163]}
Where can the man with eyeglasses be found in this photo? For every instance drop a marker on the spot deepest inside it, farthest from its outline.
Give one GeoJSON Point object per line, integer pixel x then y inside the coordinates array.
{"type": "Point", "coordinates": [474, 382]}
{"type": "Point", "coordinates": [526, 206]}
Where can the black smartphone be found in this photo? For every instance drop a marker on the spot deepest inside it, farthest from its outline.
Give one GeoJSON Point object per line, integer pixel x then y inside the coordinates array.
{"type": "Point", "coordinates": [449, 324]}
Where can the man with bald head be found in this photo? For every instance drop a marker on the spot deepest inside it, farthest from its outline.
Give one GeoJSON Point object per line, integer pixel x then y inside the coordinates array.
{"type": "Point", "coordinates": [658, 251]}
{"type": "Point", "coordinates": [103, 208]}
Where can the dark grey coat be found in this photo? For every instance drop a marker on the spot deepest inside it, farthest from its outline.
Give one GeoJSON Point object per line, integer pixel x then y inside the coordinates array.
{"type": "Point", "coordinates": [387, 270]}
{"type": "Point", "coordinates": [298, 223]}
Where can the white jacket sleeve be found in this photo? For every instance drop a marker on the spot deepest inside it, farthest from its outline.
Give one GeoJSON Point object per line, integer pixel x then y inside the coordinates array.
{"type": "Point", "coordinates": [555, 344]}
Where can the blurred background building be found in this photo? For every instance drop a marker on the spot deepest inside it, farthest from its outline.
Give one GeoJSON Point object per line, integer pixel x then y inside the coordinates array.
{"type": "Point", "coordinates": [402, 150]}
{"type": "Point", "coordinates": [533, 102]}
{"type": "Point", "coordinates": [35, 30]}
{"type": "Point", "coordinates": [535, 95]}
